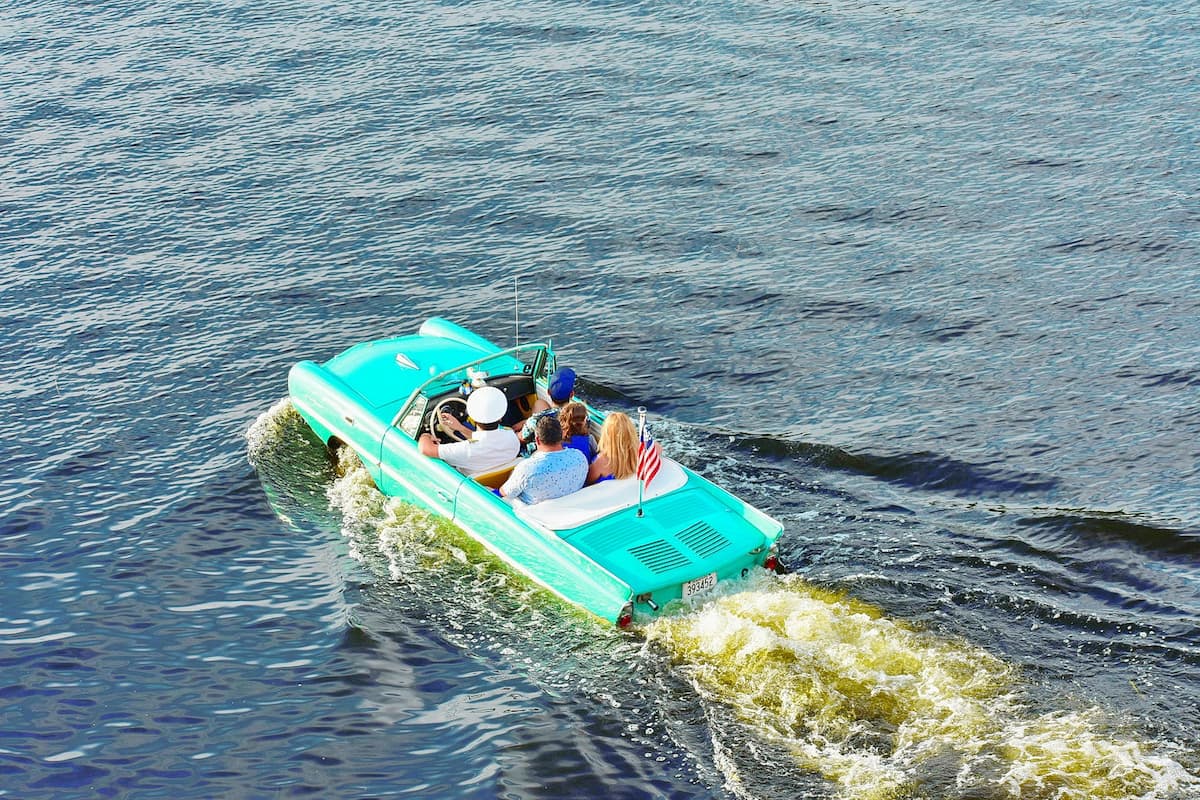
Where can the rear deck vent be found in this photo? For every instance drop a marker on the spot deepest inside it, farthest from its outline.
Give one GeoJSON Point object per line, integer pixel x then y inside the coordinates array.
{"type": "Point", "coordinates": [685, 504]}
{"type": "Point", "coordinates": [612, 537]}
{"type": "Point", "coordinates": [703, 539]}
{"type": "Point", "coordinates": [659, 556]}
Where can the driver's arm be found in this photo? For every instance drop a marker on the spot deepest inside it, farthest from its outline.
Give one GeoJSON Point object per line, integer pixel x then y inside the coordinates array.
{"type": "Point", "coordinates": [427, 445]}
{"type": "Point", "coordinates": [448, 420]}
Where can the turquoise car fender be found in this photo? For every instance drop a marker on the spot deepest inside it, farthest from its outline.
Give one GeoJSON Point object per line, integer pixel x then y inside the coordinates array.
{"type": "Point", "coordinates": [538, 553]}
{"type": "Point", "coordinates": [335, 411]}
{"type": "Point", "coordinates": [415, 478]}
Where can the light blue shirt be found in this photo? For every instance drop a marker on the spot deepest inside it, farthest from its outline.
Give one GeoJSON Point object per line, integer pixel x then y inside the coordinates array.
{"type": "Point", "coordinates": [547, 474]}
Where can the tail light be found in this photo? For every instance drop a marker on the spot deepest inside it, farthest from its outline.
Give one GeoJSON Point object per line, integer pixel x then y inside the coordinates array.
{"type": "Point", "coordinates": [772, 562]}
{"type": "Point", "coordinates": [625, 618]}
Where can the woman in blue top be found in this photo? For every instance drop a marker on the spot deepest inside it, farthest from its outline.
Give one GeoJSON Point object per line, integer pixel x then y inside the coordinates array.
{"type": "Point", "coordinates": [574, 421]}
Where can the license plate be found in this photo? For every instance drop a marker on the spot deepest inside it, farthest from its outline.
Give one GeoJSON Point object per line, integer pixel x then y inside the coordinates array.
{"type": "Point", "coordinates": [701, 584]}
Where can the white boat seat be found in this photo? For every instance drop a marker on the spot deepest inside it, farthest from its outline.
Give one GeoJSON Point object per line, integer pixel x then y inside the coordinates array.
{"type": "Point", "coordinates": [599, 499]}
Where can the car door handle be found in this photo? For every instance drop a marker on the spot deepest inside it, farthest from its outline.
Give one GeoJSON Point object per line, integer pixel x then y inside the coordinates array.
{"type": "Point", "coordinates": [444, 495]}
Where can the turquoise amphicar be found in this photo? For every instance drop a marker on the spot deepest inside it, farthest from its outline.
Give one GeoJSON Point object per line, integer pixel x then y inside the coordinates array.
{"type": "Point", "coordinates": [621, 553]}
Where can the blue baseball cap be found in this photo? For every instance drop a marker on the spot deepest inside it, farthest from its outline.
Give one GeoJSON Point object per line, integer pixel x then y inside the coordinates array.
{"type": "Point", "coordinates": [562, 383]}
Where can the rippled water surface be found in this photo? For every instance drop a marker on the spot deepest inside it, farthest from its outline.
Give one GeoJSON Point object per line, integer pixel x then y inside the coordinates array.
{"type": "Point", "coordinates": [918, 280]}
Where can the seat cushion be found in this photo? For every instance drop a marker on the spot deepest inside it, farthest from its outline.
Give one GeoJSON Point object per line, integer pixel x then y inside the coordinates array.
{"type": "Point", "coordinates": [599, 499]}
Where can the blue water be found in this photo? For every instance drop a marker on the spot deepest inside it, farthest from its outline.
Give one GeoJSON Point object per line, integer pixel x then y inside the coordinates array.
{"type": "Point", "coordinates": [919, 280]}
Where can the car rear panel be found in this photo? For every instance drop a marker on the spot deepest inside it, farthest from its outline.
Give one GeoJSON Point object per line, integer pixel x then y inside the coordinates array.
{"type": "Point", "coordinates": [680, 537]}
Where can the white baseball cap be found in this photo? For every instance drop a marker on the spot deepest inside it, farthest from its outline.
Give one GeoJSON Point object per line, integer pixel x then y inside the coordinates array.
{"type": "Point", "coordinates": [487, 404]}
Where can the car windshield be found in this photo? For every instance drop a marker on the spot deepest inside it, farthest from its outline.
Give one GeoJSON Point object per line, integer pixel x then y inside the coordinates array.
{"type": "Point", "coordinates": [535, 359]}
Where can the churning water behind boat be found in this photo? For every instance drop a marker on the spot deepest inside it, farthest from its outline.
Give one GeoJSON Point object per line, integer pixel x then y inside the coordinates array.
{"type": "Point", "coordinates": [886, 710]}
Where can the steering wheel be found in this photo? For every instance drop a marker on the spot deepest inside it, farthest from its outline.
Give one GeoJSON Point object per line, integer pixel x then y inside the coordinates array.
{"type": "Point", "coordinates": [456, 407]}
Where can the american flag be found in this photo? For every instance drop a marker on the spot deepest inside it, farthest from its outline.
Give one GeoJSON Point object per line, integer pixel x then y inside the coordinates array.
{"type": "Point", "coordinates": [648, 461]}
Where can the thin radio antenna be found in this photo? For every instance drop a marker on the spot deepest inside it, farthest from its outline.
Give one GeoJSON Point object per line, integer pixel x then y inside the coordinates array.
{"type": "Point", "coordinates": [516, 315]}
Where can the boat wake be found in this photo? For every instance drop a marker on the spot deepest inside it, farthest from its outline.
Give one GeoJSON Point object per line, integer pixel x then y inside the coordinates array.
{"type": "Point", "coordinates": [793, 681]}
{"type": "Point", "coordinates": [884, 710]}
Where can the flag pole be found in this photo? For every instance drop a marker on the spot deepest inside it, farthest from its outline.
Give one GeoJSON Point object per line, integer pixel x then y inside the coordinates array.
{"type": "Point", "coordinates": [641, 439]}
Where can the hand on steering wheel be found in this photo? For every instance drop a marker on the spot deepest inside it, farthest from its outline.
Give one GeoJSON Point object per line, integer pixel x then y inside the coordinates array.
{"type": "Point", "coordinates": [455, 407]}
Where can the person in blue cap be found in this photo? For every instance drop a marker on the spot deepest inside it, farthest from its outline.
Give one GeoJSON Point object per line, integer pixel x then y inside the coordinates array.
{"type": "Point", "coordinates": [561, 390]}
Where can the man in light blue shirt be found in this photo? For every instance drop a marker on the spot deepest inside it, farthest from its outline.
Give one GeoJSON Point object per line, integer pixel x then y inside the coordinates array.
{"type": "Point", "coordinates": [552, 471]}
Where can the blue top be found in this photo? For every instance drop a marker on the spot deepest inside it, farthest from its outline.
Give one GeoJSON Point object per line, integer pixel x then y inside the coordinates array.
{"type": "Point", "coordinates": [583, 443]}
{"type": "Point", "coordinates": [547, 474]}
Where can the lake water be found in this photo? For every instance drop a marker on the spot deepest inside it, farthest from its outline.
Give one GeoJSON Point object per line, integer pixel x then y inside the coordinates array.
{"type": "Point", "coordinates": [917, 279]}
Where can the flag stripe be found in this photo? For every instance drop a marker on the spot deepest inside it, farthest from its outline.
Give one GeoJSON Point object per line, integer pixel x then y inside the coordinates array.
{"type": "Point", "coordinates": [648, 461]}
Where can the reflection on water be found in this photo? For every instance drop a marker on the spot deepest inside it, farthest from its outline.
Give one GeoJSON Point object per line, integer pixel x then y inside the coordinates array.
{"type": "Point", "coordinates": [885, 710]}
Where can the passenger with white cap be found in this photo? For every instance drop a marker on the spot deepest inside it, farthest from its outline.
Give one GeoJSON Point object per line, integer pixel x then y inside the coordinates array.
{"type": "Point", "coordinates": [488, 446]}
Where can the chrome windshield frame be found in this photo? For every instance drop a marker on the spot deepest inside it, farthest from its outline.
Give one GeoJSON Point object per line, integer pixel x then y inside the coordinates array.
{"type": "Point", "coordinates": [543, 362]}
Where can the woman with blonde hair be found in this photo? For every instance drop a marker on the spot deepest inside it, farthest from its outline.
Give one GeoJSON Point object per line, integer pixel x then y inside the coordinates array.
{"type": "Point", "coordinates": [616, 454]}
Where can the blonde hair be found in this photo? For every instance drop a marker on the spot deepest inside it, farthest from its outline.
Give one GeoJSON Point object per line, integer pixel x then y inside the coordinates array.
{"type": "Point", "coordinates": [573, 417]}
{"type": "Point", "coordinates": [618, 443]}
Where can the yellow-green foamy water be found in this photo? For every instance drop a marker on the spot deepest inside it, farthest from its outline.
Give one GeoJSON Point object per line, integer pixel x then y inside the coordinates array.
{"type": "Point", "coordinates": [887, 711]}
